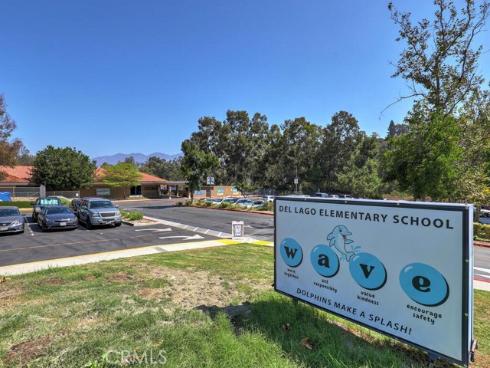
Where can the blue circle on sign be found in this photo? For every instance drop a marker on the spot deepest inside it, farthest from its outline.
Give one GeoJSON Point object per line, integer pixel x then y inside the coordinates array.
{"type": "Point", "coordinates": [291, 252]}
{"type": "Point", "coordinates": [324, 260]}
{"type": "Point", "coordinates": [368, 271]}
{"type": "Point", "coordinates": [424, 284]}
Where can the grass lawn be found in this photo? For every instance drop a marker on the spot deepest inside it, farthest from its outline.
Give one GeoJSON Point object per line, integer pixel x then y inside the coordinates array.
{"type": "Point", "coordinates": [205, 308]}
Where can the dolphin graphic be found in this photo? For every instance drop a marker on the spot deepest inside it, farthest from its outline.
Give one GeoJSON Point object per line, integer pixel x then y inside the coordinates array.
{"type": "Point", "coordinates": [339, 239]}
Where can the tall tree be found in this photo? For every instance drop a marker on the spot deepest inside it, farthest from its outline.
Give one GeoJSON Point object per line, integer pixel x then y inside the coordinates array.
{"type": "Point", "coordinates": [196, 165]}
{"type": "Point", "coordinates": [9, 148]}
{"type": "Point", "coordinates": [300, 144]}
{"type": "Point", "coordinates": [63, 169]}
{"type": "Point", "coordinates": [425, 160]}
{"type": "Point", "coordinates": [360, 175]}
{"type": "Point", "coordinates": [340, 140]}
{"type": "Point", "coordinates": [122, 175]}
{"type": "Point", "coordinates": [440, 60]}
{"type": "Point", "coordinates": [169, 170]}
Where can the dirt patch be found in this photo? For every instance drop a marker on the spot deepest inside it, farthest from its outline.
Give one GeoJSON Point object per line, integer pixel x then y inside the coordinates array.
{"type": "Point", "coordinates": [9, 294]}
{"type": "Point", "coordinates": [190, 289]}
{"type": "Point", "coordinates": [119, 277]}
{"type": "Point", "coordinates": [87, 323]}
{"type": "Point", "coordinates": [150, 293]}
{"type": "Point", "coordinates": [51, 281]}
{"type": "Point", "coordinates": [26, 351]}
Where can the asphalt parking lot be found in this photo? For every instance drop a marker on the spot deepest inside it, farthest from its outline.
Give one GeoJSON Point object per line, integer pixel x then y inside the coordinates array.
{"type": "Point", "coordinates": [35, 245]}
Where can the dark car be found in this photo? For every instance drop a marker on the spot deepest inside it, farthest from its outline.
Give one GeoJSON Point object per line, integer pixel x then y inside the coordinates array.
{"type": "Point", "coordinates": [42, 203]}
{"type": "Point", "coordinates": [98, 211]}
{"type": "Point", "coordinates": [57, 217]}
{"type": "Point", "coordinates": [11, 221]}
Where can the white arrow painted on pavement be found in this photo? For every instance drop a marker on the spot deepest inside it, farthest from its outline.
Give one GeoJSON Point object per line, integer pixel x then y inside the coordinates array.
{"type": "Point", "coordinates": [183, 237]}
{"type": "Point", "coordinates": [156, 230]}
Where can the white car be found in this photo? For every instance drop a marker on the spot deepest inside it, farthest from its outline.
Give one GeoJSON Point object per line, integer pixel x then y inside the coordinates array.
{"type": "Point", "coordinates": [269, 198]}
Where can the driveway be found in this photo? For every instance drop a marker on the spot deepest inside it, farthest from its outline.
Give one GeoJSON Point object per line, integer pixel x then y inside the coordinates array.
{"type": "Point", "coordinates": [256, 225]}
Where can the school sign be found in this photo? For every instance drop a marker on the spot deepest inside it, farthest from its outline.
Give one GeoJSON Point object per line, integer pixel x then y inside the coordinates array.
{"type": "Point", "coordinates": [401, 268]}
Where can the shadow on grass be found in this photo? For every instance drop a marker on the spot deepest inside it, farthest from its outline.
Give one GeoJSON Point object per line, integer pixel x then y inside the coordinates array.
{"type": "Point", "coordinates": [316, 339]}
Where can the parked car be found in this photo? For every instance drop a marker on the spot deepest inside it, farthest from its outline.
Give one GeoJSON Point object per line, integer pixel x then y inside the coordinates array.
{"type": "Point", "coordinates": [98, 211]}
{"type": "Point", "coordinates": [258, 203]}
{"type": "Point", "coordinates": [42, 203]}
{"type": "Point", "coordinates": [11, 221]}
{"type": "Point", "coordinates": [230, 200]}
{"type": "Point", "coordinates": [57, 217]}
{"type": "Point", "coordinates": [269, 198]}
{"type": "Point", "coordinates": [484, 216]}
{"type": "Point", "coordinates": [216, 200]}
{"type": "Point", "coordinates": [245, 202]}
{"type": "Point", "coordinates": [75, 205]}
{"type": "Point", "coordinates": [321, 195]}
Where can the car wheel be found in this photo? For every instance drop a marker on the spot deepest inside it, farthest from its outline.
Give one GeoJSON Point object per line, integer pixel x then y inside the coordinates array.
{"type": "Point", "coordinates": [88, 223]}
{"type": "Point", "coordinates": [44, 228]}
{"type": "Point", "coordinates": [117, 224]}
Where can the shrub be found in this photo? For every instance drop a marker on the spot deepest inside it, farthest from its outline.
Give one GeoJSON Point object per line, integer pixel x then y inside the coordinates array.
{"type": "Point", "coordinates": [132, 215]}
{"type": "Point", "coordinates": [20, 204]}
{"type": "Point", "coordinates": [481, 231]}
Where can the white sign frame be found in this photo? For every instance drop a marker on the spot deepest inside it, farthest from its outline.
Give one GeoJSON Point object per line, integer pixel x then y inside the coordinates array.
{"type": "Point", "coordinates": [234, 225]}
{"type": "Point", "coordinates": [466, 258]}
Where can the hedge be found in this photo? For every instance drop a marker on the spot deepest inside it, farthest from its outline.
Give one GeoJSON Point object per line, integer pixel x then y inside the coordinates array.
{"type": "Point", "coordinates": [20, 204]}
{"type": "Point", "coordinates": [481, 231]}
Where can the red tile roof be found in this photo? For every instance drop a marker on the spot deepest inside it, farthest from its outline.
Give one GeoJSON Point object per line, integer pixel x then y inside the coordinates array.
{"type": "Point", "coordinates": [17, 174]}
{"type": "Point", "coordinates": [144, 178]}
{"type": "Point", "coordinates": [22, 175]}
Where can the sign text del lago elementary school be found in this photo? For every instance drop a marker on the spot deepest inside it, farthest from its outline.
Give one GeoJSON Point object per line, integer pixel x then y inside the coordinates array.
{"type": "Point", "coordinates": [401, 268]}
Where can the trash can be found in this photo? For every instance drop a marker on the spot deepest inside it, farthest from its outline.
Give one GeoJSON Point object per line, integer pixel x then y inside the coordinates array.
{"type": "Point", "coordinates": [5, 197]}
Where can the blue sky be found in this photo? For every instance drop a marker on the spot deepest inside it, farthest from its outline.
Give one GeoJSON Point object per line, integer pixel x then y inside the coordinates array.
{"type": "Point", "coordinates": [134, 76]}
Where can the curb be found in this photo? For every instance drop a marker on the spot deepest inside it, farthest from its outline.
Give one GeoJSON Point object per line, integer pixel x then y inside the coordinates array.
{"type": "Point", "coordinates": [478, 243]}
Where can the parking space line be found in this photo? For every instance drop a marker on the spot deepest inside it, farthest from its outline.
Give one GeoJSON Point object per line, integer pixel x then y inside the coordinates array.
{"type": "Point", "coordinates": [30, 230]}
{"type": "Point", "coordinates": [72, 243]}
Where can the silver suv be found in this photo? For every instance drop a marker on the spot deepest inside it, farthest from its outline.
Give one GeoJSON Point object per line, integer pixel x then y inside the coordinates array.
{"type": "Point", "coordinates": [98, 211]}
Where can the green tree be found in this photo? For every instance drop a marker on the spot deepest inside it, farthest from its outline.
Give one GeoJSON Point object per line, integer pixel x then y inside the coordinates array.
{"type": "Point", "coordinates": [196, 165]}
{"type": "Point", "coordinates": [169, 170]}
{"type": "Point", "coordinates": [9, 148]}
{"type": "Point", "coordinates": [300, 144]}
{"type": "Point", "coordinates": [122, 175]}
{"type": "Point", "coordinates": [424, 160]}
{"type": "Point", "coordinates": [340, 140]}
{"type": "Point", "coordinates": [440, 63]}
{"type": "Point", "coordinates": [62, 169]}
{"type": "Point", "coordinates": [440, 60]}
{"type": "Point", "coordinates": [360, 174]}
{"type": "Point", "coordinates": [24, 157]}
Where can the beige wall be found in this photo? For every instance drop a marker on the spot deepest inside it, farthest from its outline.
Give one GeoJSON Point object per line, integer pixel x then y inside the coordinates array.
{"type": "Point", "coordinates": [115, 193]}
{"type": "Point", "coordinates": [218, 191]}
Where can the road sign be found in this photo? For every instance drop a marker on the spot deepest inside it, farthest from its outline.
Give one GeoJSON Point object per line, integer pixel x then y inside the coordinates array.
{"type": "Point", "coordinates": [401, 268]}
{"type": "Point", "coordinates": [210, 180]}
{"type": "Point", "coordinates": [296, 181]}
{"type": "Point", "coordinates": [237, 229]}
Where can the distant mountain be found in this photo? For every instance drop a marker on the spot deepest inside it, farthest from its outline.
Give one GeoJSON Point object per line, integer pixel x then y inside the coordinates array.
{"type": "Point", "coordinates": [140, 158]}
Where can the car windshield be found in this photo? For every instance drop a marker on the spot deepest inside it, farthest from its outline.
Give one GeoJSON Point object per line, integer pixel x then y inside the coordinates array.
{"type": "Point", "coordinates": [101, 204]}
{"type": "Point", "coordinates": [49, 202]}
{"type": "Point", "coordinates": [57, 210]}
{"type": "Point", "coordinates": [4, 212]}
